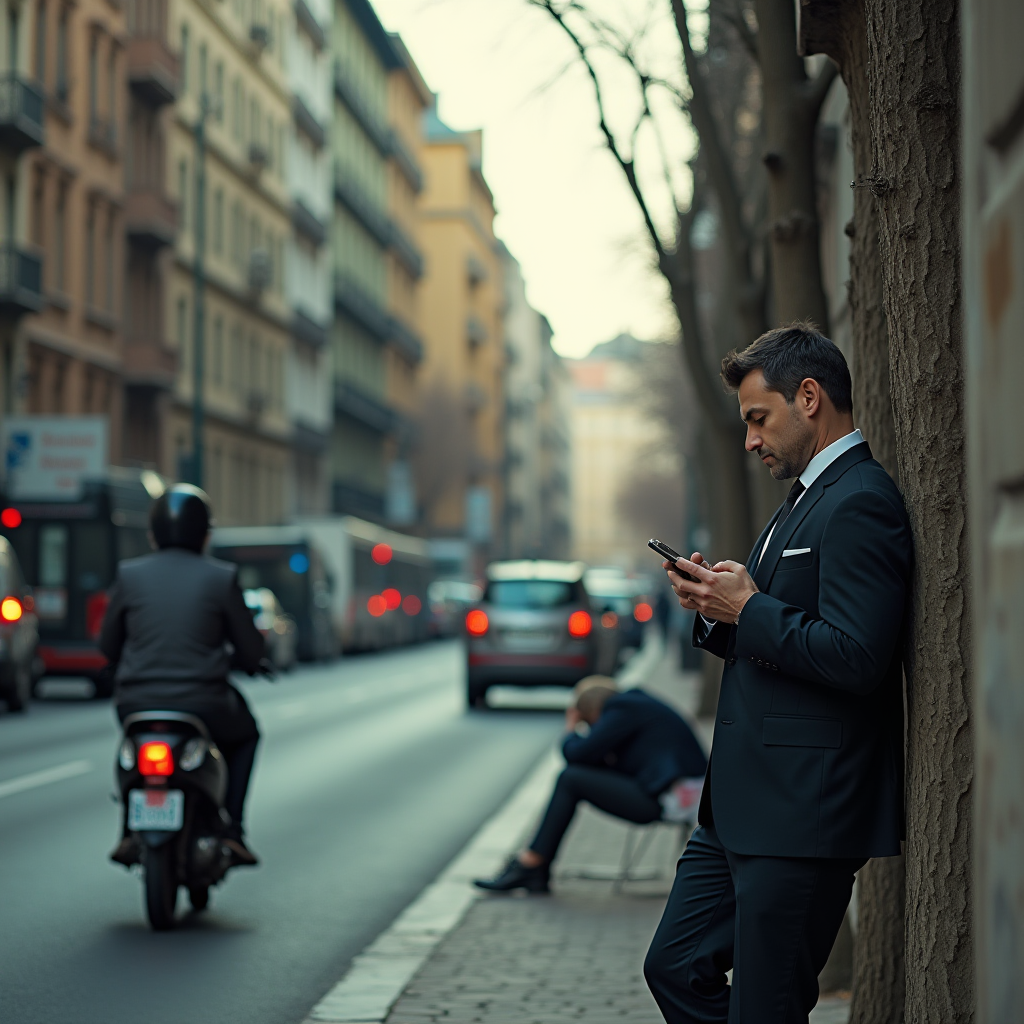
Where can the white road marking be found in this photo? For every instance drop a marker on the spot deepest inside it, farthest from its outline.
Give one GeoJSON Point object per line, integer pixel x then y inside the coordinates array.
{"type": "Point", "coordinates": [44, 777]}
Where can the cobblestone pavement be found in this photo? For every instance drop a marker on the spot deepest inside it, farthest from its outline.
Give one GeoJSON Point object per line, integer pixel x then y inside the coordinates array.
{"type": "Point", "coordinates": [576, 955]}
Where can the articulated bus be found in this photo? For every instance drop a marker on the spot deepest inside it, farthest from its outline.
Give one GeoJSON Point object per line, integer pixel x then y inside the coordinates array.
{"type": "Point", "coordinates": [69, 552]}
{"type": "Point", "coordinates": [349, 584]}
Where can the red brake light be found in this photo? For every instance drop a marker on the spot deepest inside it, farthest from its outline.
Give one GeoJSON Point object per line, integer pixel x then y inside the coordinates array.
{"type": "Point", "coordinates": [381, 553]}
{"type": "Point", "coordinates": [155, 758]}
{"type": "Point", "coordinates": [10, 609]}
{"type": "Point", "coordinates": [95, 610]}
{"type": "Point", "coordinates": [609, 620]}
{"type": "Point", "coordinates": [580, 625]}
{"type": "Point", "coordinates": [376, 606]}
{"type": "Point", "coordinates": [476, 622]}
{"type": "Point", "coordinates": [11, 518]}
{"type": "Point", "coordinates": [643, 612]}
{"type": "Point", "coordinates": [392, 598]}
{"type": "Point", "coordinates": [412, 605]}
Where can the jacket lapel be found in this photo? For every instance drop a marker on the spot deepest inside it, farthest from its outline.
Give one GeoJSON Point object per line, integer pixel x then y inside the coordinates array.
{"type": "Point", "coordinates": [766, 569]}
{"type": "Point", "coordinates": [759, 544]}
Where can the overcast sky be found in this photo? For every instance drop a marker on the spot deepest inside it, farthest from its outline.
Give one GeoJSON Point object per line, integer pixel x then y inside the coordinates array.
{"type": "Point", "coordinates": [564, 209]}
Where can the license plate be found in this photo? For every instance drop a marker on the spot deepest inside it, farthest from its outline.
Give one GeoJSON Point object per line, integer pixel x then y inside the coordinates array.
{"type": "Point", "coordinates": [528, 639]}
{"type": "Point", "coordinates": [156, 810]}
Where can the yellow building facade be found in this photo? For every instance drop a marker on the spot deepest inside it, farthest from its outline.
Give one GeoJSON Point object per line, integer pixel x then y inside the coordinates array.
{"type": "Point", "coordinates": [461, 317]}
{"type": "Point", "coordinates": [233, 55]}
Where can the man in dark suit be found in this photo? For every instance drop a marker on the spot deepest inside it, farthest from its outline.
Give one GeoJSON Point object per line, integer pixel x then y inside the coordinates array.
{"type": "Point", "coordinates": [805, 781]}
{"type": "Point", "coordinates": [636, 748]}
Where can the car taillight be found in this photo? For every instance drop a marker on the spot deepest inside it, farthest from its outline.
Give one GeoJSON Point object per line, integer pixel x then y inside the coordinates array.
{"type": "Point", "coordinates": [392, 598]}
{"type": "Point", "coordinates": [10, 609]}
{"type": "Point", "coordinates": [376, 605]}
{"type": "Point", "coordinates": [609, 620]}
{"type": "Point", "coordinates": [95, 609]}
{"type": "Point", "coordinates": [476, 622]}
{"type": "Point", "coordinates": [155, 758]}
{"type": "Point", "coordinates": [580, 625]}
{"type": "Point", "coordinates": [643, 612]}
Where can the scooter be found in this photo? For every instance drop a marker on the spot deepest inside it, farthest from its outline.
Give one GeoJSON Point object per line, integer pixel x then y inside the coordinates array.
{"type": "Point", "coordinates": [173, 780]}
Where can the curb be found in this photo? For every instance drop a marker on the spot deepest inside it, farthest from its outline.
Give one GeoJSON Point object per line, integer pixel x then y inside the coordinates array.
{"type": "Point", "coordinates": [379, 974]}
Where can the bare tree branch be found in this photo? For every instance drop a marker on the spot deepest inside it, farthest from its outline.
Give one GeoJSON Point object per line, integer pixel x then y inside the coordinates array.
{"type": "Point", "coordinates": [734, 16]}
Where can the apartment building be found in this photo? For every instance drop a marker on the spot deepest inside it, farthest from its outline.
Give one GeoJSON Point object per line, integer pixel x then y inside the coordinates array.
{"type": "Point", "coordinates": [308, 264]}
{"type": "Point", "coordinates": [64, 210]}
{"type": "Point", "coordinates": [461, 303]}
{"type": "Point", "coordinates": [408, 98]}
{"type": "Point", "coordinates": [361, 236]}
{"type": "Point", "coordinates": [535, 515]}
{"type": "Point", "coordinates": [233, 84]}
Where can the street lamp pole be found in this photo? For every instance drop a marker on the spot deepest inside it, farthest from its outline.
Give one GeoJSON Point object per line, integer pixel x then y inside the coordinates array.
{"type": "Point", "coordinates": [199, 275]}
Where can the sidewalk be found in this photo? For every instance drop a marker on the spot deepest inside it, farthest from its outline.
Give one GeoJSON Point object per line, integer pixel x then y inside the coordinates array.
{"type": "Point", "coordinates": [577, 954]}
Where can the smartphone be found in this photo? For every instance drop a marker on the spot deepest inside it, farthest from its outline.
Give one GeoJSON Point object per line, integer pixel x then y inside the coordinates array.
{"type": "Point", "coordinates": [669, 553]}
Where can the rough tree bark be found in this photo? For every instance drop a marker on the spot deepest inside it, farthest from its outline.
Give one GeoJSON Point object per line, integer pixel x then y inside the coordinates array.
{"type": "Point", "coordinates": [913, 74]}
{"type": "Point", "coordinates": [792, 102]}
{"type": "Point", "coordinates": [838, 29]}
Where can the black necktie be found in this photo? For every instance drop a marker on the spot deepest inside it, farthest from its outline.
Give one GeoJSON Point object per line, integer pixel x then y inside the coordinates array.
{"type": "Point", "coordinates": [787, 506]}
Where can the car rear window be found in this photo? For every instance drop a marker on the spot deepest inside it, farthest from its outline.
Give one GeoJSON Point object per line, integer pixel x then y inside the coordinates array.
{"type": "Point", "coordinates": [529, 593]}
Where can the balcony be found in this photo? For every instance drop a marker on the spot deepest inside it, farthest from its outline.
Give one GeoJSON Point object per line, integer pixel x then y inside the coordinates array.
{"type": "Point", "coordinates": [364, 209]}
{"type": "Point", "coordinates": [350, 400]}
{"type": "Point", "coordinates": [357, 304]}
{"type": "Point", "coordinates": [21, 115]}
{"type": "Point", "coordinates": [406, 162]}
{"type": "Point", "coordinates": [348, 92]}
{"type": "Point", "coordinates": [308, 224]}
{"type": "Point", "coordinates": [259, 36]}
{"type": "Point", "coordinates": [260, 274]}
{"type": "Point", "coordinates": [21, 281]}
{"type": "Point", "coordinates": [405, 249]}
{"type": "Point", "coordinates": [307, 123]}
{"type": "Point", "coordinates": [406, 342]}
{"type": "Point", "coordinates": [476, 333]}
{"type": "Point", "coordinates": [149, 364]}
{"type": "Point", "coordinates": [307, 21]}
{"type": "Point", "coordinates": [306, 329]}
{"type": "Point", "coordinates": [154, 72]}
{"type": "Point", "coordinates": [151, 219]}
{"type": "Point", "coordinates": [258, 156]}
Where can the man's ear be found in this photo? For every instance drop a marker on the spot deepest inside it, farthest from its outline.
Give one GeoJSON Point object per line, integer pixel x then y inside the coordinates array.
{"type": "Point", "coordinates": [809, 396]}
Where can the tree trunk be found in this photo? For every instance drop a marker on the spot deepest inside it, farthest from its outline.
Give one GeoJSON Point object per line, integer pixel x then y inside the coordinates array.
{"type": "Point", "coordinates": [914, 82]}
{"type": "Point", "coordinates": [838, 28]}
{"type": "Point", "coordinates": [791, 105]}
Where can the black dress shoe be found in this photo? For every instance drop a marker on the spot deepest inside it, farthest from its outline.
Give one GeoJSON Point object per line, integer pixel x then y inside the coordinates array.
{"type": "Point", "coordinates": [518, 876]}
{"type": "Point", "coordinates": [126, 852]}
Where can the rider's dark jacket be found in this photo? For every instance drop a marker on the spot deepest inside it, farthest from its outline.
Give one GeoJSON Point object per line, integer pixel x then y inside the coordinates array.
{"type": "Point", "coordinates": [171, 619]}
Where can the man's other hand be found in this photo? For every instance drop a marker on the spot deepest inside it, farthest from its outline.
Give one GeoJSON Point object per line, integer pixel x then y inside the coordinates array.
{"type": "Point", "coordinates": [720, 590]}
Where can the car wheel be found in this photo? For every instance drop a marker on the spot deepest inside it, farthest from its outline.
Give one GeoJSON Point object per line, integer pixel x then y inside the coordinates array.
{"type": "Point", "coordinates": [476, 697]}
{"type": "Point", "coordinates": [20, 693]}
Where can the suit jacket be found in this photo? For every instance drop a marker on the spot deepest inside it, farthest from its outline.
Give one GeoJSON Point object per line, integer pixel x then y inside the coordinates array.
{"type": "Point", "coordinates": [807, 758]}
{"type": "Point", "coordinates": [171, 617]}
{"type": "Point", "coordinates": [639, 736]}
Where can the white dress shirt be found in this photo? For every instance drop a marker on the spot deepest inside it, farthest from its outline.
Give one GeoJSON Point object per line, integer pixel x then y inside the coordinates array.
{"type": "Point", "coordinates": [814, 469]}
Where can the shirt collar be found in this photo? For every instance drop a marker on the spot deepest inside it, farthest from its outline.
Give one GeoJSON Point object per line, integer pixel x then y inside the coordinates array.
{"type": "Point", "coordinates": [828, 455]}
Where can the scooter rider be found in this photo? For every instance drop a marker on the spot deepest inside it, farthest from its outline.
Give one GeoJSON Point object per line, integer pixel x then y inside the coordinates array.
{"type": "Point", "coordinates": [171, 617]}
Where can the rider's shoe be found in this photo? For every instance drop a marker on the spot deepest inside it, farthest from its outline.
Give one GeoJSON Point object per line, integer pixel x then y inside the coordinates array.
{"type": "Point", "coordinates": [126, 852]}
{"type": "Point", "coordinates": [241, 855]}
{"type": "Point", "coordinates": [517, 876]}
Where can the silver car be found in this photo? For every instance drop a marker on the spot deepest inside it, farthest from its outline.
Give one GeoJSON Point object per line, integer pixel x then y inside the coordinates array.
{"type": "Point", "coordinates": [534, 626]}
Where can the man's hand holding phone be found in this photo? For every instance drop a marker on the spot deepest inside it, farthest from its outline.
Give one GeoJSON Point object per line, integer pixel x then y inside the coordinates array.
{"type": "Point", "coordinates": [718, 591]}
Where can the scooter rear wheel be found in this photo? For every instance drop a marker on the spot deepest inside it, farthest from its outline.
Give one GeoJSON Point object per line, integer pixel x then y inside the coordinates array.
{"type": "Point", "coordinates": [161, 886]}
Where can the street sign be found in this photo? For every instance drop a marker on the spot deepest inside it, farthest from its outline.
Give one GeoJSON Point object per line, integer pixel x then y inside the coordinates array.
{"type": "Point", "coordinates": [50, 457]}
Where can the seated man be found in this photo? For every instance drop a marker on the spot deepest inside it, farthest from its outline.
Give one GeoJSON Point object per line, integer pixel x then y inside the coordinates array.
{"type": "Point", "coordinates": [636, 749]}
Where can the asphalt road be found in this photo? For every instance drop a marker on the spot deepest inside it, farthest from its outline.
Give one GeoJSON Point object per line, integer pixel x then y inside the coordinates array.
{"type": "Point", "coordinates": [370, 778]}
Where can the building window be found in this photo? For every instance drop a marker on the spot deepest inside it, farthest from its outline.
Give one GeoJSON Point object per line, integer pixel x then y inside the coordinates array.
{"type": "Point", "coordinates": [38, 208]}
{"type": "Point", "coordinates": [94, 74]}
{"type": "Point", "coordinates": [236, 233]}
{"type": "Point", "coordinates": [112, 87]}
{"type": "Point", "coordinates": [218, 91]}
{"type": "Point", "coordinates": [182, 193]}
{"type": "Point", "coordinates": [218, 222]}
{"type": "Point", "coordinates": [218, 351]}
{"type": "Point", "coordinates": [63, 71]}
{"type": "Point", "coordinates": [59, 214]}
{"type": "Point", "coordinates": [182, 335]}
{"type": "Point", "coordinates": [41, 43]}
{"type": "Point", "coordinates": [184, 65]}
{"type": "Point", "coordinates": [237, 357]}
{"type": "Point", "coordinates": [109, 269]}
{"type": "Point", "coordinates": [237, 109]}
{"type": "Point", "coordinates": [90, 255]}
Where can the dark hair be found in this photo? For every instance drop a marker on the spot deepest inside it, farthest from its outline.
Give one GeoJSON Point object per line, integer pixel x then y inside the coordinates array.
{"type": "Point", "coordinates": [181, 518]}
{"type": "Point", "coordinates": [788, 355]}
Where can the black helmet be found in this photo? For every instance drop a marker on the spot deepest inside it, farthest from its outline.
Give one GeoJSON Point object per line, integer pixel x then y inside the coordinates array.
{"type": "Point", "coordinates": [181, 518]}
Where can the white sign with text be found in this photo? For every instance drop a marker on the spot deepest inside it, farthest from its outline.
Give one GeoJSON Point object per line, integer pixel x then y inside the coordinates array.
{"type": "Point", "coordinates": [49, 457]}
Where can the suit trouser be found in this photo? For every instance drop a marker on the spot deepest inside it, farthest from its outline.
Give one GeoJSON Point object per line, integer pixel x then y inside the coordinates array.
{"type": "Point", "coordinates": [231, 725]}
{"type": "Point", "coordinates": [607, 790]}
{"type": "Point", "coordinates": [773, 920]}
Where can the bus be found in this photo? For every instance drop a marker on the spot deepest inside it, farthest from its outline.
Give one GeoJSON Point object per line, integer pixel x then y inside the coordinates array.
{"type": "Point", "coordinates": [370, 583]}
{"type": "Point", "coordinates": [69, 552]}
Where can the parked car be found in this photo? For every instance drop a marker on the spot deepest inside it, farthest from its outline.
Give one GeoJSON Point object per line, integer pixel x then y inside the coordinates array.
{"type": "Point", "coordinates": [534, 626]}
{"type": "Point", "coordinates": [19, 632]}
{"type": "Point", "coordinates": [278, 628]}
{"type": "Point", "coordinates": [449, 601]}
{"type": "Point", "coordinates": [612, 591]}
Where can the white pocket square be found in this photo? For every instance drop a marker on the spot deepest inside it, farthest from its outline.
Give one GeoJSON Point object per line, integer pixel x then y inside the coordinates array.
{"type": "Point", "coordinates": [795, 551]}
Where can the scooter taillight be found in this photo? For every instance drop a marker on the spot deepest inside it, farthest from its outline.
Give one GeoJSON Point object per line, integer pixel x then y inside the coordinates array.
{"type": "Point", "coordinates": [155, 758]}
